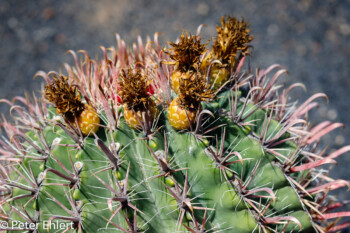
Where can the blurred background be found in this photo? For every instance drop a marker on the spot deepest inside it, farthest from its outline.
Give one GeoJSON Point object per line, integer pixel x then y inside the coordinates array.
{"type": "Point", "coordinates": [308, 37]}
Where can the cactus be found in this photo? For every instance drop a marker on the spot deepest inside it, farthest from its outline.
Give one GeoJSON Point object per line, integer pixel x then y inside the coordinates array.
{"type": "Point", "coordinates": [176, 139]}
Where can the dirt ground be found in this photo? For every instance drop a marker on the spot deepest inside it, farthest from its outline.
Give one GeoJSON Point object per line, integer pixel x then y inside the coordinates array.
{"type": "Point", "coordinates": [309, 37]}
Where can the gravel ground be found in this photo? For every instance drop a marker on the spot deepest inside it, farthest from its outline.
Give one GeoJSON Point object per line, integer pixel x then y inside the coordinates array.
{"type": "Point", "coordinates": [308, 37]}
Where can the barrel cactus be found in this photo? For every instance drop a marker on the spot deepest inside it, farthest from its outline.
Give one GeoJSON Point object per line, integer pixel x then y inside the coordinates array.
{"type": "Point", "coordinates": [180, 138]}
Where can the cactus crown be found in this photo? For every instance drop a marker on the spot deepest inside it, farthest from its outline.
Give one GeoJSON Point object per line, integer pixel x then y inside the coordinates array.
{"type": "Point", "coordinates": [134, 88]}
{"type": "Point", "coordinates": [232, 38]}
{"type": "Point", "coordinates": [65, 97]}
{"type": "Point", "coordinates": [187, 52]}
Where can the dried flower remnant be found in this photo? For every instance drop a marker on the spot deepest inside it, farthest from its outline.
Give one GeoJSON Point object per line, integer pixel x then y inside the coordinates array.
{"type": "Point", "coordinates": [230, 45]}
{"type": "Point", "coordinates": [67, 100]}
{"type": "Point", "coordinates": [186, 57]}
{"type": "Point", "coordinates": [232, 40]}
{"type": "Point", "coordinates": [183, 109]}
{"type": "Point", "coordinates": [186, 53]}
{"type": "Point", "coordinates": [193, 90]}
{"type": "Point", "coordinates": [134, 93]}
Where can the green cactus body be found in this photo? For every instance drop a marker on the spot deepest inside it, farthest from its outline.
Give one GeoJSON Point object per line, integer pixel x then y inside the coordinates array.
{"type": "Point", "coordinates": [244, 166]}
